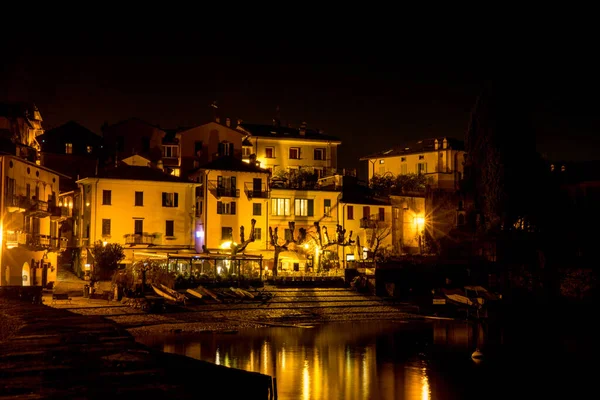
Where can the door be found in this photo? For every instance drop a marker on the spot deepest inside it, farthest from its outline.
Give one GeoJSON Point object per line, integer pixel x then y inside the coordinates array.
{"type": "Point", "coordinates": [257, 187]}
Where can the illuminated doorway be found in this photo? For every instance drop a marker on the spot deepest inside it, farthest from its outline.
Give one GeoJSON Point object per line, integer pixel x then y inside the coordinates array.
{"type": "Point", "coordinates": [26, 274]}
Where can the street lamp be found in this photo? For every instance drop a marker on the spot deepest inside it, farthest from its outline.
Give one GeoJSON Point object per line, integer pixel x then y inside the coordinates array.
{"type": "Point", "coordinates": [419, 221]}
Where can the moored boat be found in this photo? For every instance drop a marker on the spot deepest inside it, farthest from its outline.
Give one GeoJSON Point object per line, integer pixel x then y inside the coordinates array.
{"type": "Point", "coordinates": [163, 293]}
{"type": "Point", "coordinates": [195, 293]}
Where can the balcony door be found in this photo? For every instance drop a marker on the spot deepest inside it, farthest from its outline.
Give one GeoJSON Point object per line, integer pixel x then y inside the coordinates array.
{"type": "Point", "coordinates": [138, 226]}
{"type": "Point", "coordinates": [257, 187]}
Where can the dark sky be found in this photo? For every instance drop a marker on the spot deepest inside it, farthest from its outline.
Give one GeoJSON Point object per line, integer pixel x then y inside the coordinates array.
{"type": "Point", "coordinates": [373, 94]}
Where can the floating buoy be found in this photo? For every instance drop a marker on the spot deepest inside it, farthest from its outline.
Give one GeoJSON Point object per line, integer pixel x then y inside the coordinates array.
{"type": "Point", "coordinates": [477, 355]}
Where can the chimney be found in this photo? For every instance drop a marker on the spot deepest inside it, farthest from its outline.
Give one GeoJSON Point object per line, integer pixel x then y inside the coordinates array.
{"type": "Point", "coordinates": [218, 120]}
{"type": "Point", "coordinates": [436, 144]}
{"type": "Point", "coordinates": [302, 129]}
{"type": "Point", "coordinates": [228, 122]}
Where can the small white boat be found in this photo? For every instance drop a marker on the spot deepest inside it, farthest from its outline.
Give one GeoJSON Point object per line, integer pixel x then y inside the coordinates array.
{"type": "Point", "coordinates": [194, 293]}
{"type": "Point", "coordinates": [163, 293]}
{"type": "Point", "coordinates": [173, 293]}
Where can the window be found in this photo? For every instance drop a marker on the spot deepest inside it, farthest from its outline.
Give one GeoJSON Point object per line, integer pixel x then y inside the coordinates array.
{"type": "Point", "coordinates": [288, 234]}
{"type": "Point", "coordinates": [198, 148]}
{"type": "Point", "coordinates": [246, 151]}
{"type": "Point", "coordinates": [381, 214]}
{"type": "Point", "coordinates": [256, 209]}
{"type": "Point", "coordinates": [381, 161]}
{"type": "Point", "coordinates": [169, 228]}
{"type": "Point", "coordinates": [421, 168]}
{"type": "Point", "coordinates": [327, 207]}
{"type": "Point", "coordinates": [139, 199]}
{"type": "Point", "coordinates": [421, 157]}
{"type": "Point", "coordinates": [226, 233]}
{"type": "Point", "coordinates": [226, 186]}
{"type": "Point", "coordinates": [106, 197]}
{"type": "Point", "coordinates": [319, 154]}
{"type": "Point", "coordinates": [294, 153]}
{"type": "Point", "coordinates": [304, 207]}
{"type": "Point", "coordinates": [269, 152]}
{"type": "Point", "coordinates": [280, 207]}
{"type": "Point", "coordinates": [226, 208]}
{"type": "Point", "coordinates": [89, 149]}
{"type": "Point", "coordinates": [225, 149]}
{"type": "Point", "coordinates": [105, 227]}
{"type": "Point", "coordinates": [350, 212]}
{"type": "Point", "coordinates": [170, 151]}
{"type": "Point", "coordinates": [257, 234]}
{"type": "Point", "coordinates": [366, 212]}
{"type": "Point", "coordinates": [138, 226]}
{"type": "Point", "coordinates": [68, 148]}
{"type": "Point", "coordinates": [402, 159]}
{"type": "Point", "coordinates": [403, 169]}
{"type": "Point", "coordinates": [170, 199]}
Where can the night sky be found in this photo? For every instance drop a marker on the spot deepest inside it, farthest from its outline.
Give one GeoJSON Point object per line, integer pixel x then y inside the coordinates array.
{"type": "Point", "coordinates": [373, 94]}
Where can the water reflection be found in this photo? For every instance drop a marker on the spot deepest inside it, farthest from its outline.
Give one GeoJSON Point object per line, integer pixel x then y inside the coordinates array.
{"type": "Point", "coordinates": [369, 360]}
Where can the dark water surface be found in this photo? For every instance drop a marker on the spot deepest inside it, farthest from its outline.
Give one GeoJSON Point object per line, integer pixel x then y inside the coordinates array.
{"type": "Point", "coordinates": [416, 360]}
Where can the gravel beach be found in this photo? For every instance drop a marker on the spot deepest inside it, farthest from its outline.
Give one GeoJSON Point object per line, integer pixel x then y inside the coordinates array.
{"type": "Point", "coordinates": [288, 307]}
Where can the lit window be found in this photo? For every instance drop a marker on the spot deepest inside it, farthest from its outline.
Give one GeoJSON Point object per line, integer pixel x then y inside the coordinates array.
{"type": "Point", "coordinates": [170, 199]}
{"type": "Point", "coordinates": [327, 207]}
{"type": "Point", "coordinates": [280, 206]}
{"type": "Point", "coordinates": [89, 149]}
{"type": "Point", "coordinates": [304, 207]}
{"type": "Point", "coordinates": [170, 151]}
{"type": "Point", "coordinates": [381, 161]}
{"type": "Point", "coordinates": [69, 148]}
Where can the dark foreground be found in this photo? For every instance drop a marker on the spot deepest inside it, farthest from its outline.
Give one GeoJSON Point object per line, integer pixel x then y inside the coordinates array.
{"type": "Point", "coordinates": [52, 353]}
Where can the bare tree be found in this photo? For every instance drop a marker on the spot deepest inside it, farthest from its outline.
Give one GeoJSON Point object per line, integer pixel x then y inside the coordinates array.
{"type": "Point", "coordinates": [279, 247]}
{"type": "Point", "coordinates": [321, 237]}
{"type": "Point", "coordinates": [244, 243]}
{"type": "Point", "coordinates": [377, 235]}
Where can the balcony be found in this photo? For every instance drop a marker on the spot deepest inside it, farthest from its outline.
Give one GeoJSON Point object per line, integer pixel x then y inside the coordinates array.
{"type": "Point", "coordinates": [38, 209]}
{"type": "Point", "coordinates": [369, 223]}
{"type": "Point", "coordinates": [219, 191]}
{"type": "Point", "coordinates": [38, 242]}
{"type": "Point", "coordinates": [58, 243]}
{"type": "Point", "coordinates": [59, 213]}
{"type": "Point", "coordinates": [253, 192]}
{"type": "Point", "coordinates": [139, 238]}
{"type": "Point", "coordinates": [16, 203]}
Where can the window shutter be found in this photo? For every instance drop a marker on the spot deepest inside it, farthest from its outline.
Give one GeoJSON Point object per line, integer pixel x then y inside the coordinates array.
{"type": "Point", "coordinates": [233, 208]}
{"type": "Point", "coordinates": [219, 207]}
{"type": "Point", "coordinates": [221, 149]}
{"type": "Point", "coordinates": [311, 207]}
{"type": "Point", "coordinates": [176, 196]}
{"type": "Point", "coordinates": [233, 186]}
{"type": "Point", "coordinates": [164, 199]}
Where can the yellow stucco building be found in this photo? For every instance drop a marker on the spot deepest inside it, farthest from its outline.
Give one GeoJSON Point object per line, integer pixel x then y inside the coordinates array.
{"type": "Point", "coordinates": [29, 228]}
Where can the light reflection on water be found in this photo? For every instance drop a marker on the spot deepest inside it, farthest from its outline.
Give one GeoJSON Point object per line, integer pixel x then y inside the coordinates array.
{"type": "Point", "coordinates": [358, 360]}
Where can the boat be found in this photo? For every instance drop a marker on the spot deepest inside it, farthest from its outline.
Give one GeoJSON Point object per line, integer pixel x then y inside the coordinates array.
{"type": "Point", "coordinates": [246, 293]}
{"type": "Point", "coordinates": [238, 292]}
{"type": "Point", "coordinates": [162, 293]}
{"type": "Point", "coordinates": [208, 293]}
{"type": "Point", "coordinates": [195, 293]}
{"type": "Point", "coordinates": [476, 300]}
{"type": "Point", "coordinates": [174, 293]}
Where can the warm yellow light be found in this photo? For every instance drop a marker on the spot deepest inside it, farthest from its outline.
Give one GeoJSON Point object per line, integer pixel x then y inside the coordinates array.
{"type": "Point", "coordinates": [419, 221]}
{"type": "Point", "coordinates": [306, 245]}
{"type": "Point", "coordinates": [226, 245]}
{"type": "Point", "coordinates": [87, 204]}
{"type": "Point", "coordinates": [104, 243]}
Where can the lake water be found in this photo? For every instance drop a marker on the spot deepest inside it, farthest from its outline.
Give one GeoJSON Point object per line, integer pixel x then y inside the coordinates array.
{"type": "Point", "coordinates": [404, 360]}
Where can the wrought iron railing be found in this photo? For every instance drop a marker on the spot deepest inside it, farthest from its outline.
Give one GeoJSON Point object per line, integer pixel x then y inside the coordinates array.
{"type": "Point", "coordinates": [139, 238]}
{"type": "Point", "coordinates": [255, 192]}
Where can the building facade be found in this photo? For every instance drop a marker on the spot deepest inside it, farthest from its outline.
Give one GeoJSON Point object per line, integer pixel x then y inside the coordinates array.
{"type": "Point", "coordinates": [139, 207]}
{"type": "Point", "coordinates": [30, 226]}
{"type": "Point", "coordinates": [440, 159]}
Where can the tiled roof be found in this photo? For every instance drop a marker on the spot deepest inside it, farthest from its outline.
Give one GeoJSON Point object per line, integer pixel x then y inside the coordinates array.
{"type": "Point", "coordinates": [138, 173]}
{"type": "Point", "coordinates": [420, 146]}
{"type": "Point", "coordinates": [70, 130]}
{"type": "Point", "coordinates": [231, 164]}
{"type": "Point", "coordinates": [286, 132]}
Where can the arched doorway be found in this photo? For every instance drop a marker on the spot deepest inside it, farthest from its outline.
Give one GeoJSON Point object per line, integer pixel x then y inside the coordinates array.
{"type": "Point", "coordinates": [26, 274]}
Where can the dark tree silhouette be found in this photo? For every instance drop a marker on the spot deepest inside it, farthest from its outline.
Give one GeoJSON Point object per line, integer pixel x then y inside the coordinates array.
{"type": "Point", "coordinates": [321, 237]}
{"type": "Point", "coordinates": [501, 160]}
{"type": "Point", "coordinates": [279, 247]}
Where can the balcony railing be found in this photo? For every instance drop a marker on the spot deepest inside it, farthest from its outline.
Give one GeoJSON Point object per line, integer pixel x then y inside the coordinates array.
{"type": "Point", "coordinates": [38, 208]}
{"type": "Point", "coordinates": [255, 192]}
{"type": "Point", "coordinates": [38, 241]}
{"type": "Point", "coordinates": [369, 223]}
{"type": "Point", "coordinates": [60, 213]}
{"type": "Point", "coordinates": [15, 202]}
{"type": "Point", "coordinates": [219, 191]}
{"type": "Point", "coordinates": [59, 243]}
{"type": "Point", "coordinates": [139, 238]}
